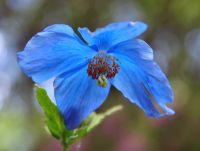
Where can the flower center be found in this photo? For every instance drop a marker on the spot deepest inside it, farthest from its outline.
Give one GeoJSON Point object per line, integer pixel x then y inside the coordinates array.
{"type": "Point", "coordinates": [101, 67]}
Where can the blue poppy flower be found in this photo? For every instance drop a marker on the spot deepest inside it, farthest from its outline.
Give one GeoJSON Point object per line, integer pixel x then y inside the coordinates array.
{"type": "Point", "coordinates": [85, 71]}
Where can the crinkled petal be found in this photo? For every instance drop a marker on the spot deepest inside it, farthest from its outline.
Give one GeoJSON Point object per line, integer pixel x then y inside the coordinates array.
{"type": "Point", "coordinates": [157, 82]}
{"type": "Point", "coordinates": [130, 83]}
{"type": "Point", "coordinates": [141, 74]}
{"type": "Point", "coordinates": [87, 35]}
{"type": "Point", "coordinates": [78, 96]}
{"type": "Point", "coordinates": [134, 48]}
{"type": "Point", "coordinates": [113, 33]}
{"type": "Point", "coordinates": [53, 51]}
{"type": "Point", "coordinates": [63, 29]}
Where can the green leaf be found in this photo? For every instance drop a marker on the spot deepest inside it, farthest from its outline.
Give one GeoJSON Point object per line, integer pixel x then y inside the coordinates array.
{"type": "Point", "coordinates": [54, 120]}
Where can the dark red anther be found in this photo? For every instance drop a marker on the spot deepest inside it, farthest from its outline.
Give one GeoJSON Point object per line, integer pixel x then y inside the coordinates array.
{"type": "Point", "coordinates": [102, 64]}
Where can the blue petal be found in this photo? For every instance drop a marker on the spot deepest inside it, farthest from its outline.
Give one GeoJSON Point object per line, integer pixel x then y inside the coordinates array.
{"type": "Point", "coordinates": [140, 53]}
{"type": "Point", "coordinates": [113, 33]}
{"type": "Point", "coordinates": [87, 35]}
{"type": "Point", "coordinates": [78, 96]}
{"type": "Point", "coordinates": [52, 52]}
{"type": "Point", "coordinates": [134, 48]}
{"type": "Point", "coordinates": [138, 72]}
{"type": "Point", "coordinates": [60, 28]}
{"type": "Point", "coordinates": [63, 29]}
{"type": "Point", "coordinates": [130, 83]}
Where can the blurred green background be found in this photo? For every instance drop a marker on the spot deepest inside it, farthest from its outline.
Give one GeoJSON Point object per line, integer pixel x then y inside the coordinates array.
{"type": "Point", "coordinates": [174, 34]}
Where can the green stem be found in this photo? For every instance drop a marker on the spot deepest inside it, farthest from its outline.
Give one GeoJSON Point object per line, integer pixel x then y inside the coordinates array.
{"type": "Point", "coordinates": [65, 146]}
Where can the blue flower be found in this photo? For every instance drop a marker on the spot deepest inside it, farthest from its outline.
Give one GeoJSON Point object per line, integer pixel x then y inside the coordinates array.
{"type": "Point", "coordinates": [85, 72]}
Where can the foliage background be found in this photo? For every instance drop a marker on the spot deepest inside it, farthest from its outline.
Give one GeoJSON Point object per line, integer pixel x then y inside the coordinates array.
{"type": "Point", "coordinates": [174, 34]}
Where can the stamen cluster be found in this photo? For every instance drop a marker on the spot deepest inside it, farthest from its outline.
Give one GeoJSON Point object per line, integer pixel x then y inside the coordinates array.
{"type": "Point", "coordinates": [103, 64]}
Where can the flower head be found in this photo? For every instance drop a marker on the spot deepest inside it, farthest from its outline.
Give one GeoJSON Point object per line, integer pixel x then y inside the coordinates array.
{"type": "Point", "coordinates": [84, 72]}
